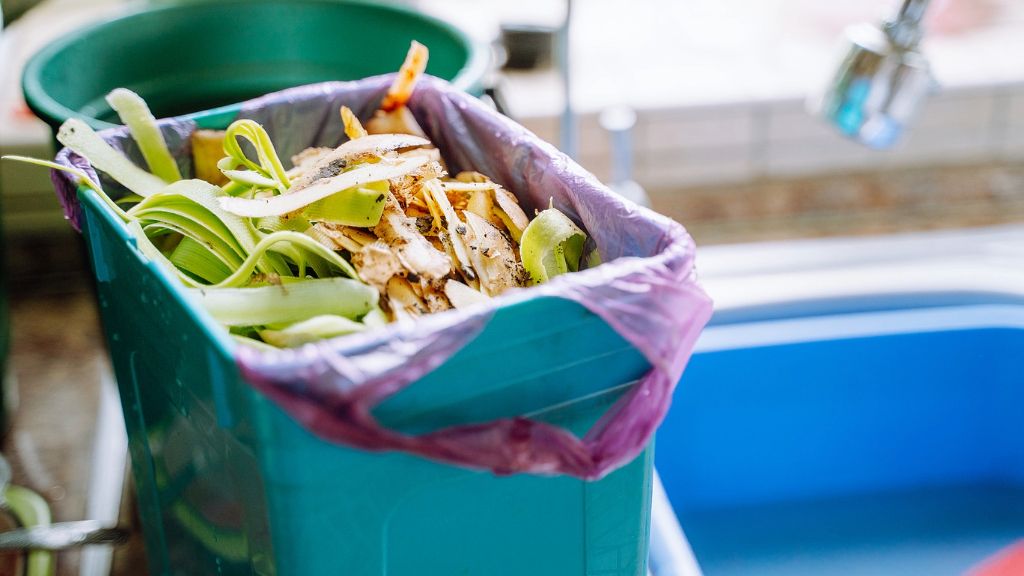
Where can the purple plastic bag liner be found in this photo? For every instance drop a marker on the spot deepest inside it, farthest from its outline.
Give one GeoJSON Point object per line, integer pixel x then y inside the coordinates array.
{"type": "Point", "coordinates": [646, 290]}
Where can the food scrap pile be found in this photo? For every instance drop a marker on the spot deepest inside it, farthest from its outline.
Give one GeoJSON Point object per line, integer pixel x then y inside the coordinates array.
{"type": "Point", "coordinates": [372, 231]}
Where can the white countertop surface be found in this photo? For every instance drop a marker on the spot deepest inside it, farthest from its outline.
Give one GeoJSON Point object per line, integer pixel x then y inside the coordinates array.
{"type": "Point", "coordinates": [777, 279]}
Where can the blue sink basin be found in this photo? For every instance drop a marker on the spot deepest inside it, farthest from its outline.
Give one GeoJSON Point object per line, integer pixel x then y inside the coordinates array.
{"type": "Point", "coordinates": [851, 444]}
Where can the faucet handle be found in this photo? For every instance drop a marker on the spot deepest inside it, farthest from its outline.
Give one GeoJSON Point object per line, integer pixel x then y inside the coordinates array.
{"type": "Point", "coordinates": [905, 29]}
{"type": "Point", "coordinates": [618, 122]}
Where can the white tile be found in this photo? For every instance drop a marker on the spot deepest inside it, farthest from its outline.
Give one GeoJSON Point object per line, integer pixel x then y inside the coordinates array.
{"type": "Point", "coordinates": [593, 140]}
{"type": "Point", "coordinates": [546, 127]}
{"type": "Point", "coordinates": [549, 128]}
{"type": "Point", "coordinates": [797, 125]}
{"type": "Point", "coordinates": [1015, 109]}
{"type": "Point", "coordinates": [807, 157]}
{"type": "Point", "coordinates": [667, 130]}
{"type": "Point", "coordinates": [957, 126]}
{"type": "Point", "coordinates": [694, 167]}
{"type": "Point", "coordinates": [959, 108]}
{"type": "Point", "coordinates": [682, 111]}
{"type": "Point", "coordinates": [956, 146]}
{"type": "Point", "coordinates": [790, 120]}
{"type": "Point", "coordinates": [1013, 147]}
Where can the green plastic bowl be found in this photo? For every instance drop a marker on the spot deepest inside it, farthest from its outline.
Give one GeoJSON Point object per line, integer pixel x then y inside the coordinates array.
{"type": "Point", "coordinates": [193, 57]}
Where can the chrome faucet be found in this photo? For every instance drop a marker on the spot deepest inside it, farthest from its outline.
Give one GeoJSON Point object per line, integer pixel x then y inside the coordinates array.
{"type": "Point", "coordinates": [882, 80]}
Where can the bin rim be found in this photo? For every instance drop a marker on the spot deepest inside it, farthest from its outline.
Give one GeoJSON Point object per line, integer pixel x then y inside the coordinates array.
{"type": "Point", "coordinates": [223, 345]}
{"type": "Point", "coordinates": [53, 112]}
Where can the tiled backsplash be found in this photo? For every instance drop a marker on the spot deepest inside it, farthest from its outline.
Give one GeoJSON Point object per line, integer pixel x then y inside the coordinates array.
{"type": "Point", "coordinates": [719, 87]}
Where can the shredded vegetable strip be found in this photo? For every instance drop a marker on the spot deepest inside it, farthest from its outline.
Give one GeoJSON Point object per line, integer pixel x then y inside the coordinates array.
{"type": "Point", "coordinates": [145, 245]}
{"type": "Point", "coordinates": [353, 129]}
{"type": "Point", "coordinates": [287, 303]}
{"type": "Point", "coordinates": [287, 203]}
{"type": "Point", "coordinates": [456, 230]}
{"type": "Point", "coordinates": [510, 213]}
{"type": "Point", "coordinates": [249, 177]}
{"type": "Point", "coordinates": [140, 121]}
{"type": "Point", "coordinates": [78, 136]}
{"type": "Point", "coordinates": [468, 186]}
{"type": "Point", "coordinates": [192, 256]}
{"type": "Point", "coordinates": [245, 270]}
{"type": "Point", "coordinates": [357, 206]}
{"type": "Point", "coordinates": [269, 165]}
{"type": "Point", "coordinates": [226, 234]}
{"type": "Point", "coordinates": [316, 328]}
{"type": "Point", "coordinates": [192, 228]}
{"type": "Point", "coordinates": [401, 89]}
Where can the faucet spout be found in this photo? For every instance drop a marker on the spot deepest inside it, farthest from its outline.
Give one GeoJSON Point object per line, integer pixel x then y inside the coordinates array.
{"type": "Point", "coordinates": [882, 80]}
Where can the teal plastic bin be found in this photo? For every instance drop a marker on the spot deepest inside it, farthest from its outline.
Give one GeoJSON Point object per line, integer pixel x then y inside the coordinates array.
{"type": "Point", "coordinates": [229, 484]}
